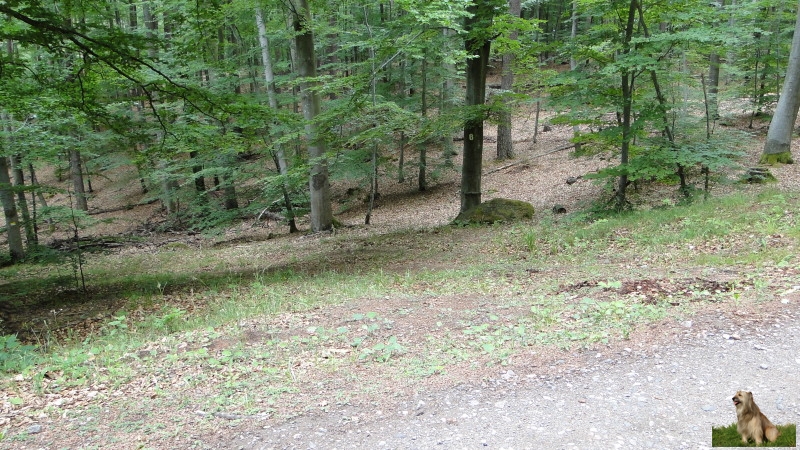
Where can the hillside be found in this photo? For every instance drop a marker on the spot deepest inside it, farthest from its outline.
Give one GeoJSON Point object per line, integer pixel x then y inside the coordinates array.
{"type": "Point", "coordinates": [203, 341]}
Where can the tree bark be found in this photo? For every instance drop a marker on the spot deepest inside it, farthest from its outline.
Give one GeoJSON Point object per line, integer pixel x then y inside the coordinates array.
{"type": "Point", "coordinates": [446, 103]}
{"type": "Point", "coordinates": [19, 182]}
{"type": "Point", "coordinates": [423, 146]}
{"type": "Point", "coordinates": [573, 64]}
{"type": "Point", "coordinates": [713, 85]}
{"type": "Point", "coordinates": [199, 180]}
{"type": "Point", "coordinates": [319, 185]}
{"type": "Point", "coordinates": [10, 211]}
{"type": "Point", "coordinates": [505, 143]}
{"type": "Point", "coordinates": [627, 105]}
{"type": "Point", "coordinates": [76, 175]}
{"type": "Point", "coordinates": [779, 137]}
{"type": "Point", "coordinates": [269, 77]}
{"type": "Point", "coordinates": [478, 47]}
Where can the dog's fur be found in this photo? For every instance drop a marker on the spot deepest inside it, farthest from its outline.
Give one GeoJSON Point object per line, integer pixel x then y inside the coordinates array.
{"type": "Point", "coordinates": [752, 422]}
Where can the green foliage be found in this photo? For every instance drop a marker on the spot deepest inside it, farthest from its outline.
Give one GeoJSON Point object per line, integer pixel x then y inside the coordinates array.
{"type": "Point", "coordinates": [15, 356]}
{"type": "Point", "coordinates": [171, 319]}
{"type": "Point", "coordinates": [383, 351]}
{"type": "Point", "coordinates": [118, 325]}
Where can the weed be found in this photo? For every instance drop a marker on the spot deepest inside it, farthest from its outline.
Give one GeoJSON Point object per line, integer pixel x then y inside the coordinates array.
{"type": "Point", "coordinates": [117, 326]}
{"type": "Point", "coordinates": [170, 321]}
{"type": "Point", "coordinates": [610, 284]}
{"type": "Point", "coordinates": [15, 356]}
{"type": "Point", "coordinates": [383, 351]}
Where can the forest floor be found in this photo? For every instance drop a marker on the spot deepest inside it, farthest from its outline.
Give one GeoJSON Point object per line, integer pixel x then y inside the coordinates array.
{"type": "Point", "coordinates": [409, 333]}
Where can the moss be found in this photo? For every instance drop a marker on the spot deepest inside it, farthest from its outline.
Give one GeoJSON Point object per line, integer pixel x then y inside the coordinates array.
{"type": "Point", "coordinates": [497, 210]}
{"type": "Point", "coordinates": [776, 158]}
{"type": "Point", "coordinates": [758, 175]}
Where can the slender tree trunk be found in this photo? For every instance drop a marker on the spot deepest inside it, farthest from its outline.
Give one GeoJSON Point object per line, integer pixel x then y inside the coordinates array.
{"type": "Point", "coordinates": [713, 85]}
{"type": "Point", "coordinates": [22, 202]}
{"type": "Point", "coordinates": [321, 212]}
{"type": "Point", "coordinates": [573, 65]}
{"type": "Point", "coordinates": [373, 185]}
{"type": "Point", "coordinates": [76, 175]}
{"type": "Point", "coordinates": [779, 137]}
{"type": "Point", "coordinates": [401, 175]}
{"type": "Point", "coordinates": [446, 103]}
{"type": "Point", "coordinates": [477, 46]}
{"type": "Point", "coordinates": [35, 185]}
{"type": "Point", "coordinates": [199, 180]}
{"type": "Point", "coordinates": [423, 146]}
{"type": "Point", "coordinates": [10, 211]}
{"type": "Point", "coordinates": [168, 188]}
{"type": "Point", "coordinates": [627, 105]}
{"type": "Point", "coordinates": [664, 107]}
{"type": "Point", "coordinates": [269, 77]}
{"type": "Point", "coordinates": [505, 143]}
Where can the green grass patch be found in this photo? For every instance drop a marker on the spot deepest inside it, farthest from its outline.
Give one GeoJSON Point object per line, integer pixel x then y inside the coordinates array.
{"type": "Point", "coordinates": [729, 437]}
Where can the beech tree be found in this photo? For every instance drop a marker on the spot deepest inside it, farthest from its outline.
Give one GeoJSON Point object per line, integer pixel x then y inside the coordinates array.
{"type": "Point", "coordinates": [321, 212]}
{"type": "Point", "coordinates": [779, 137]}
{"type": "Point", "coordinates": [478, 45]}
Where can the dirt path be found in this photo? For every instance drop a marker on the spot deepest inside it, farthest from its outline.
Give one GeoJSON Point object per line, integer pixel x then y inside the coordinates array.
{"type": "Point", "coordinates": [666, 393]}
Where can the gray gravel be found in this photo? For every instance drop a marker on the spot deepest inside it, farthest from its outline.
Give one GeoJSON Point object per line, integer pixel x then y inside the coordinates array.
{"type": "Point", "coordinates": [663, 396]}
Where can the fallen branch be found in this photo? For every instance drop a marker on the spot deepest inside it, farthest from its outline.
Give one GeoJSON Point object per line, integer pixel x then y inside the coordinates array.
{"type": "Point", "coordinates": [121, 208]}
{"type": "Point", "coordinates": [524, 161]}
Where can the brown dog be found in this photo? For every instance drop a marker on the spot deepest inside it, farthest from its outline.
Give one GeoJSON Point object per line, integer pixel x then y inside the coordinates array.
{"type": "Point", "coordinates": [752, 422]}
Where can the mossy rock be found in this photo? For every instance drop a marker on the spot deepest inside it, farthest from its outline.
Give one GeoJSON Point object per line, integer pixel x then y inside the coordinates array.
{"type": "Point", "coordinates": [758, 175]}
{"type": "Point", "coordinates": [776, 158]}
{"type": "Point", "coordinates": [497, 210]}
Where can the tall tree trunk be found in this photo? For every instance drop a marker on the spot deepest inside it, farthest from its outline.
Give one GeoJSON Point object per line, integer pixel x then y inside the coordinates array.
{"type": "Point", "coordinates": [199, 180]}
{"type": "Point", "coordinates": [627, 106]}
{"type": "Point", "coordinates": [76, 175]}
{"type": "Point", "coordinates": [505, 143]}
{"type": "Point", "coordinates": [713, 85]}
{"type": "Point", "coordinates": [168, 188]}
{"type": "Point", "coordinates": [446, 103]}
{"type": "Point", "coordinates": [19, 183]}
{"type": "Point", "coordinates": [37, 194]}
{"type": "Point", "coordinates": [269, 77]}
{"type": "Point", "coordinates": [10, 212]}
{"type": "Point", "coordinates": [664, 107]}
{"type": "Point", "coordinates": [319, 185]}
{"type": "Point", "coordinates": [573, 64]}
{"type": "Point", "coordinates": [423, 146]}
{"type": "Point", "coordinates": [401, 148]}
{"type": "Point", "coordinates": [779, 137]}
{"type": "Point", "coordinates": [478, 46]}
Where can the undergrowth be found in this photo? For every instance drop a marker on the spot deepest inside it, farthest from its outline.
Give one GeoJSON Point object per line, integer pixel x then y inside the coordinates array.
{"type": "Point", "coordinates": [185, 299]}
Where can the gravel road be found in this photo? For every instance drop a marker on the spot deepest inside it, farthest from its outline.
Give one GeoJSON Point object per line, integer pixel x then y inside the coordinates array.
{"type": "Point", "coordinates": [665, 394]}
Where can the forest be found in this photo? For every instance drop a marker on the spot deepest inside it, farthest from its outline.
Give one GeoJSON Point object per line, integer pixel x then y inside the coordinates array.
{"type": "Point", "coordinates": [190, 95]}
{"type": "Point", "coordinates": [287, 116]}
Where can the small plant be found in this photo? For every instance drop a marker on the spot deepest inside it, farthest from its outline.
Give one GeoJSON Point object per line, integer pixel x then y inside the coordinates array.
{"type": "Point", "coordinates": [610, 284]}
{"type": "Point", "coordinates": [530, 241]}
{"type": "Point", "coordinates": [171, 320]}
{"type": "Point", "coordinates": [15, 356]}
{"type": "Point", "coordinates": [383, 351]}
{"type": "Point", "coordinates": [118, 325]}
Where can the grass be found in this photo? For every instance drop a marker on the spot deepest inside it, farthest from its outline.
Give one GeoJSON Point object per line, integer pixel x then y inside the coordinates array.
{"type": "Point", "coordinates": [729, 437]}
{"type": "Point", "coordinates": [262, 331]}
